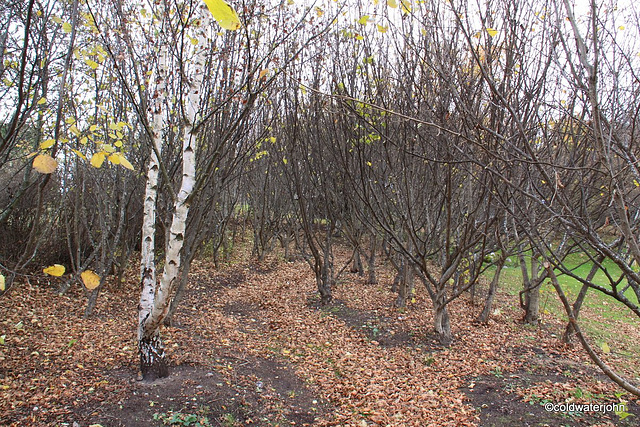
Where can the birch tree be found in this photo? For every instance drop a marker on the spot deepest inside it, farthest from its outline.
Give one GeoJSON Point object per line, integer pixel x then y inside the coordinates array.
{"type": "Point", "coordinates": [156, 291]}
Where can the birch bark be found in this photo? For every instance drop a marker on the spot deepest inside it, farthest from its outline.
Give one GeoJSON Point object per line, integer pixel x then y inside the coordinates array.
{"type": "Point", "coordinates": [156, 293]}
{"type": "Point", "coordinates": [150, 346]}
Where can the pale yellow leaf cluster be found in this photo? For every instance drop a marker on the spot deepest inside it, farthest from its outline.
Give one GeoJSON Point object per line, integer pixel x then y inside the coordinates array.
{"type": "Point", "coordinates": [224, 14]}
{"type": "Point", "coordinates": [115, 158]}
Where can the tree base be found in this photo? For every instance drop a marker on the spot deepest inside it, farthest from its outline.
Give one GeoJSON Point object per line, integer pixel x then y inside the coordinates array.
{"type": "Point", "coordinates": [153, 363]}
{"type": "Point", "coordinates": [325, 299]}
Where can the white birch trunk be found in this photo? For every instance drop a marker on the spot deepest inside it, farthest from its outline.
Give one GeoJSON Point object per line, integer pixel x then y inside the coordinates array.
{"type": "Point", "coordinates": [148, 352]}
{"type": "Point", "coordinates": [156, 296]}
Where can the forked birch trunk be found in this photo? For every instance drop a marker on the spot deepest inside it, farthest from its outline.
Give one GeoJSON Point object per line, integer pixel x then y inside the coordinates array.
{"type": "Point", "coordinates": [156, 293]}
{"type": "Point", "coordinates": [149, 345]}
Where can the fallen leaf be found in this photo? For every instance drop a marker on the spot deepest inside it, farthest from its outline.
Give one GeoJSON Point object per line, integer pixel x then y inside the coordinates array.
{"type": "Point", "coordinates": [55, 270]}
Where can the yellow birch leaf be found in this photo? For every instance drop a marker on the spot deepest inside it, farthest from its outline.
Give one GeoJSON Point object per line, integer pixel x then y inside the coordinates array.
{"type": "Point", "coordinates": [74, 130]}
{"type": "Point", "coordinates": [114, 158]}
{"type": "Point", "coordinates": [492, 32]}
{"type": "Point", "coordinates": [382, 29]}
{"type": "Point", "coordinates": [79, 154]}
{"type": "Point", "coordinates": [42, 100]}
{"type": "Point", "coordinates": [47, 144]}
{"type": "Point", "coordinates": [363, 20]}
{"type": "Point", "coordinates": [66, 27]}
{"type": "Point", "coordinates": [90, 279]}
{"type": "Point", "coordinates": [54, 270]}
{"type": "Point", "coordinates": [93, 128]}
{"type": "Point", "coordinates": [108, 148]}
{"type": "Point", "coordinates": [2, 283]}
{"type": "Point", "coordinates": [97, 159]}
{"type": "Point", "coordinates": [392, 3]}
{"type": "Point", "coordinates": [83, 140]}
{"type": "Point", "coordinates": [44, 163]}
{"type": "Point", "coordinates": [224, 14]}
{"type": "Point", "coordinates": [605, 348]}
{"type": "Point", "coordinates": [90, 63]}
{"type": "Point", "coordinates": [406, 6]}
{"type": "Point", "coordinates": [125, 163]}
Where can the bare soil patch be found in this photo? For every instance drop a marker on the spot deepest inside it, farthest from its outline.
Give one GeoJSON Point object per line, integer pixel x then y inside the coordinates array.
{"type": "Point", "coordinates": [500, 402]}
{"type": "Point", "coordinates": [229, 392]}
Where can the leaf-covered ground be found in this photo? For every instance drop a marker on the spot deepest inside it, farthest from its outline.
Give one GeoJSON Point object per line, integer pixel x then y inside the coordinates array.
{"type": "Point", "coordinates": [252, 346]}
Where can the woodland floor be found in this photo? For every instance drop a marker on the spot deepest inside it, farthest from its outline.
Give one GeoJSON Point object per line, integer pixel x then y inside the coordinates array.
{"type": "Point", "coordinates": [252, 346]}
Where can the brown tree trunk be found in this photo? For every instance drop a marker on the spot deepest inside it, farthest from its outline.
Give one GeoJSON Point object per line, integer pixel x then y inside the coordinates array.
{"type": "Point", "coordinates": [441, 321]}
{"type": "Point", "coordinates": [372, 280]}
{"type": "Point", "coordinates": [569, 331]}
{"type": "Point", "coordinates": [356, 267]}
{"type": "Point", "coordinates": [405, 286]}
{"type": "Point", "coordinates": [493, 287]}
{"type": "Point", "coordinates": [531, 290]}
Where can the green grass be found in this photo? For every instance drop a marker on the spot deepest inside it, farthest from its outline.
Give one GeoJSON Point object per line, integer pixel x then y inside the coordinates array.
{"type": "Point", "coordinates": [596, 306]}
{"type": "Point", "coordinates": [511, 281]}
